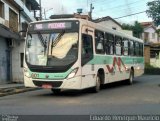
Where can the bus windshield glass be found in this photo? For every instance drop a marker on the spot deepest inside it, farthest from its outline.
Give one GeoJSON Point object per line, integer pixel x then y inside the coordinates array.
{"type": "Point", "coordinates": [51, 48]}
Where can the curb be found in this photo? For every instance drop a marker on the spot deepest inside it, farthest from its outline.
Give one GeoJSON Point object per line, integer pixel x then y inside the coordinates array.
{"type": "Point", "coordinates": [15, 90]}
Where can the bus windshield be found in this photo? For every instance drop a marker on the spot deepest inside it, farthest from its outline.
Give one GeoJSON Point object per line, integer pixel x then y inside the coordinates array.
{"type": "Point", "coordinates": [52, 48]}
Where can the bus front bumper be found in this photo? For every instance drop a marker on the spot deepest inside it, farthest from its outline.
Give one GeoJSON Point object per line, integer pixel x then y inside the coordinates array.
{"type": "Point", "coordinates": [72, 83]}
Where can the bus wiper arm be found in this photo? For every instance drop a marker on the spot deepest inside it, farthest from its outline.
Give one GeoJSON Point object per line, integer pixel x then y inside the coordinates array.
{"type": "Point", "coordinates": [57, 39]}
{"type": "Point", "coordinates": [42, 40]}
{"type": "Point", "coordinates": [54, 42]}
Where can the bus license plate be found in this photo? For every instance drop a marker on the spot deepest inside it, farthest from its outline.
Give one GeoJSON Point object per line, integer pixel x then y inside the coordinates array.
{"type": "Point", "coordinates": [47, 86]}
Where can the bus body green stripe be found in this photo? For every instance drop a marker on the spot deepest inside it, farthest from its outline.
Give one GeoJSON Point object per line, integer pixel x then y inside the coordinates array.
{"type": "Point", "coordinates": [109, 60]}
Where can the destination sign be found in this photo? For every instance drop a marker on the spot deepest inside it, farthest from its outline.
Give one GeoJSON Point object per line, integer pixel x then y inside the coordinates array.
{"type": "Point", "coordinates": [55, 25]}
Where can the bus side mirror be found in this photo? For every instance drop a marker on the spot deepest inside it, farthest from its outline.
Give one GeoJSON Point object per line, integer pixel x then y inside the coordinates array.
{"type": "Point", "coordinates": [22, 33]}
{"type": "Point", "coordinates": [29, 43]}
{"type": "Point", "coordinates": [29, 40]}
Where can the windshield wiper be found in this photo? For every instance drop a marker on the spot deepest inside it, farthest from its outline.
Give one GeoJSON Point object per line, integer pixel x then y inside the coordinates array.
{"type": "Point", "coordinates": [43, 42]}
{"type": "Point", "coordinates": [55, 41]}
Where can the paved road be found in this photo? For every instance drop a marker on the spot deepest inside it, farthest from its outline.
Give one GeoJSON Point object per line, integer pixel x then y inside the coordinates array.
{"type": "Point", "coordinates": [143, 97]}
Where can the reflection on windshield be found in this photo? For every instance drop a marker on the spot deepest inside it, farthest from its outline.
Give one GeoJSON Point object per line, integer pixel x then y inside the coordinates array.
{"type": "Point", "coordinates": [64, 44]}
{"type": "Point", "coordinates": [52, 49]}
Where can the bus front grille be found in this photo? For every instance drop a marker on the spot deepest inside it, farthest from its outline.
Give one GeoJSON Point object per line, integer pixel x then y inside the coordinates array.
{"type": "Point", "coordinates": [52, 83]}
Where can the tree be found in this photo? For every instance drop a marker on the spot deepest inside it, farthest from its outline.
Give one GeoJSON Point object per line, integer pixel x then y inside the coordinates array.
{"type": "Point", "coordinates": [136, 28]}
{"type": "Point", "coordinates": [154, 11]}
{"type": "Point", "coordinates": [126, 26]}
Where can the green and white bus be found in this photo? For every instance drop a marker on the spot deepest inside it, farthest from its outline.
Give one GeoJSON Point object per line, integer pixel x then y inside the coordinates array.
{"type": "Point", "coordinates": [77, 54]}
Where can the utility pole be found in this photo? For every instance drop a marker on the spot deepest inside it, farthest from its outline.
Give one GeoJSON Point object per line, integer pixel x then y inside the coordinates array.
{"type": "Point", "coordinates": [91, 10]}
{"type": "Point", "coordinates": [45, 14]}
{"type": "Point", "coordinates": [40, 9]}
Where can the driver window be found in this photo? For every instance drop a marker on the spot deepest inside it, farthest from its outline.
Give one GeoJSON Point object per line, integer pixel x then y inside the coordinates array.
{"type": "Point", "coordinates": [87, 48]}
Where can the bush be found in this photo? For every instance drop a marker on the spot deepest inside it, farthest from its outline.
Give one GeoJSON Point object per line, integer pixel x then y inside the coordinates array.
{"type": "Point", "coordinates": [149, 69]}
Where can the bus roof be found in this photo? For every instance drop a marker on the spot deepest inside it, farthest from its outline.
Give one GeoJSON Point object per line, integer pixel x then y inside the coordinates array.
{"type": "Point", "coordinates": [96, 26]}
{"type": "Point", "coordinates": [109, 30]}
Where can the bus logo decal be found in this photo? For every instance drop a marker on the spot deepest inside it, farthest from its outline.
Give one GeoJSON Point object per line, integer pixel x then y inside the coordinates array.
{"type": "Point", "coordinates": [116, 61]}
{"type": "Point", "coordinates": [47, 76]}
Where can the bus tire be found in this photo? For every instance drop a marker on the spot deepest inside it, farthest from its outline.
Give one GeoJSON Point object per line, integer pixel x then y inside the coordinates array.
{"type": "Point", "coordinates": [56, 91]}
{"type": "Point", "coordinates": [96, 89]}
{"type": "Point", "coordinates": [131, 76]}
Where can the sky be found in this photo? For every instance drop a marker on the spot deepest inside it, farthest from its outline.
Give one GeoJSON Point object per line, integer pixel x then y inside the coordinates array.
{"type": "Point", "coordinates": [102, 8]}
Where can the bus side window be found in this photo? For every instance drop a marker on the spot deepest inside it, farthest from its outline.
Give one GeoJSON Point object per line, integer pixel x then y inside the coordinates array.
{"type": "Point", "coordinates": [131, 49]}
{"type": "Point", "coordinates": [118, 45]}
{"type": "Point", "coordinates": [99, 42]}
{"type": "Point", "coordinates": [134, 46]}
{"type": "Point", "coordinates": [125, 47]}
{"type": "Point", "coordinates": [137, 49]}
{"type": "Point", "coordinates": [109, 44]}
{"type": "Point", "coordinates": [141, 49]}
{"type": "Point", "coordinates": [87, 48]}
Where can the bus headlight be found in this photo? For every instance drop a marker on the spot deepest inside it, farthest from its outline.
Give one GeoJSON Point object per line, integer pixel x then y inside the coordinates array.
{"type": "Point", "coordinates": [73, 73]}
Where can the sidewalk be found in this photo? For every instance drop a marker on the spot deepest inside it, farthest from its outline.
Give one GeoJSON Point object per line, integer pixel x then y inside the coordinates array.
{"type": "Point", "coordinates": [14, 88]}
{"type": "Point", "coordinates": [11, 85]}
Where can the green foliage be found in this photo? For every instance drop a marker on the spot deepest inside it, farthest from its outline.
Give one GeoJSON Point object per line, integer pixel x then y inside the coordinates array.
{"type": "Point", "coordinates": [149, 66]}
{"type": "Point", "coordinates": [149, 69]}
{"type": "Point", "coordinates": [126, 26]}
{"type": "Point", "coordinates": [158, 32]}
{"type": "Point", "coordinates": [136, 28]}
{"type": "Point", "coordinates": [154, 11]}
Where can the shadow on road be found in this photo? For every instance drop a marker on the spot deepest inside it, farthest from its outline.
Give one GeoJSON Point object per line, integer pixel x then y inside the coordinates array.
{"type": "Point", "coordinates": [119, 84]}
{"type": "Point", "coordinates": [85, 92]}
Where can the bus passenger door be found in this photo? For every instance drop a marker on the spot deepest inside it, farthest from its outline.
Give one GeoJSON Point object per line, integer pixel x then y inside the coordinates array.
{"type": "Point", "coordinates": [86, 57]}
